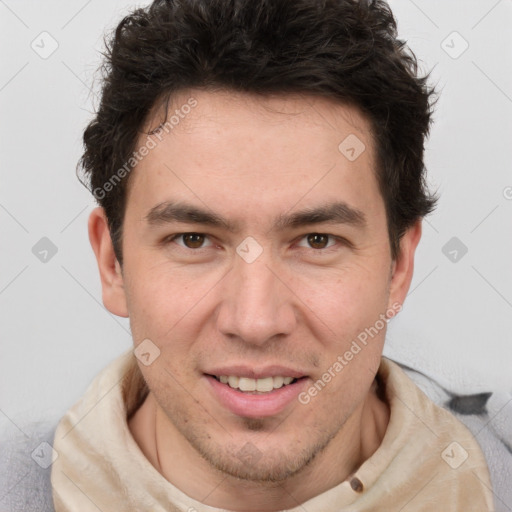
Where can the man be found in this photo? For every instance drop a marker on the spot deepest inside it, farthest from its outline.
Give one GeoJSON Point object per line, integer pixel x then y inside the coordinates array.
{"type": "Point", "coordinates": [259, 170]}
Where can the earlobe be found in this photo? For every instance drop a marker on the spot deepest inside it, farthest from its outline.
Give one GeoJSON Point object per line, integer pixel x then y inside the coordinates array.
{"type": "Point", "coordinates": [403, 265]}
{"type": "Point", "coordinates": [112, 283]}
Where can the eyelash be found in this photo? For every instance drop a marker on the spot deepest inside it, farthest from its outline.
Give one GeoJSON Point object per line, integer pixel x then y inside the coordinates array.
{"type": "Point", "coordinates": [338, 239]}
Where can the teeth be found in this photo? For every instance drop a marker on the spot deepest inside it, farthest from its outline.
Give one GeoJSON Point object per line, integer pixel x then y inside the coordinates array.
{"type": "Point", "coordinates": [278, 382]}
{"type": "Point", "coordinates": [264, 385]}
{"type": "Point", "coordinates": [245, 384]}
{"type": "Point", "coordinates": [261, 385]}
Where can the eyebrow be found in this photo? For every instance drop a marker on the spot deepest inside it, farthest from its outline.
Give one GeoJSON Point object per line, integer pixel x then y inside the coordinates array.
{"type": "Point", "coordinates": [337, 212]}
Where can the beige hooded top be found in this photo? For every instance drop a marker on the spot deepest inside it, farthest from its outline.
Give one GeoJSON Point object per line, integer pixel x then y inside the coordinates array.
{"type": "Point", "coordinates": [428, 460]}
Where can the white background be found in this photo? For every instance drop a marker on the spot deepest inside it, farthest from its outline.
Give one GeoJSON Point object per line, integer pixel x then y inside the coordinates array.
{"type": "Point", "coordinates": [56, 334]}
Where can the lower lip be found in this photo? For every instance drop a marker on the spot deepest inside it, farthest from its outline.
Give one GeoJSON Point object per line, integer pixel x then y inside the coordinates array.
{"type": "Point", "coordinates": [255, 406]}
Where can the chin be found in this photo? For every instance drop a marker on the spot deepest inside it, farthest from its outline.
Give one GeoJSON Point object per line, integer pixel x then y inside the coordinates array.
{"type": "Point", "coordinates": [243, 460]}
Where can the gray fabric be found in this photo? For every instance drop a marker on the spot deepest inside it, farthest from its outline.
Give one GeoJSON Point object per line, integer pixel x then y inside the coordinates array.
{"type": "Point", "coordinates": [25, 486]}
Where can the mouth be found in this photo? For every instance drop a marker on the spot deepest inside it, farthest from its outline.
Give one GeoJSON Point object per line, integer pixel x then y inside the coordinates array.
{"type": "Point", "coordinates": [255, 397]}
{"type": "Point", "coordinates": [256, 386]}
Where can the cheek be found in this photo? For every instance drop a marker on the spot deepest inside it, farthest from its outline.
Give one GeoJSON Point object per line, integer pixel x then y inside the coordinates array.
{"type": "Point", "coordinates": [164, 300]}
{"type": "Point", "coordinates": [344, 302]}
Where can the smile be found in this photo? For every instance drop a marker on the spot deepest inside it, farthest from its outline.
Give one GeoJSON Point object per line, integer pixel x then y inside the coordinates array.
{"type": "Point", "coordinates": [247, 384]}
{"type": "Point", "coordinates": [255, 398]}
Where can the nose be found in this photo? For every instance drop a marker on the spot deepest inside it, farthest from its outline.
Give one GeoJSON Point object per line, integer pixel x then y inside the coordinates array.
{"type": "Point", "coordinates": [256, 306]}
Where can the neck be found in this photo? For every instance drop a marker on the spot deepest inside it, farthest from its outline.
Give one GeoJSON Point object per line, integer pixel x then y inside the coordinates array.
{"type": "Point", "coordinates": [171, 454]}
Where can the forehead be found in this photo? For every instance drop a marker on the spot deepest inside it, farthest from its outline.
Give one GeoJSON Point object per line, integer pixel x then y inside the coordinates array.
{"type": "Point", "coordinates": [199, 111]}
{"type": "Point", "coordinates": [236, 149]}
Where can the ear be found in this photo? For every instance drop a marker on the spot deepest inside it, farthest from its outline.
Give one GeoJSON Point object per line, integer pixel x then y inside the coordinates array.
{"type": "Point", "coordinates": [112, 282]}
{"type": "Point", "coordinates": [403, 266]}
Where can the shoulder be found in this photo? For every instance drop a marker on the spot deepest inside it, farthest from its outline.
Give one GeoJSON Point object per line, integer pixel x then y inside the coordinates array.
{"type": "Point", "coordinates": [488, 416]}
{"type": "Point", "coordinates": [25, 467]}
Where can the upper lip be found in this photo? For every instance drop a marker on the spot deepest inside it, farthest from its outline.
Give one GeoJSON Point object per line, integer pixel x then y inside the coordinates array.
{"type": "Point", "coordinates": [256, 373]}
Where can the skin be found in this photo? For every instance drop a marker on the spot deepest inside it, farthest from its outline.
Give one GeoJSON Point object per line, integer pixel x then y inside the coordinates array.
{"type": "Point", "coordinates": [251, 159]}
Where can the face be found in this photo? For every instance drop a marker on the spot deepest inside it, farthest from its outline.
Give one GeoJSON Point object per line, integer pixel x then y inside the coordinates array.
{"type": "Point", "coordinates": [255, 247]}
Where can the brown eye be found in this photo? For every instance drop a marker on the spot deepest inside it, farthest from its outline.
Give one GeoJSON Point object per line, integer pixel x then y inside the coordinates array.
{"type": "Point", "coordinates": [193, 240]}
{"type": "Point", "coordinates": [318, 240]}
